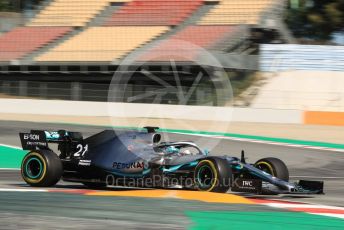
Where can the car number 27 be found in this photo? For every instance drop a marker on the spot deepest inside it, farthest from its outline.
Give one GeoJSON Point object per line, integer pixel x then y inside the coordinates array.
{"type": "Point", "coordinates": [81, 150]}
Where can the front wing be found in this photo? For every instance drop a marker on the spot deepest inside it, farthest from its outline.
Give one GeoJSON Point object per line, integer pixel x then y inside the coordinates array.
{"type": "Point", "coordinates": [266, 183]}
{"type": "Point", "coordinates": [258, 186]}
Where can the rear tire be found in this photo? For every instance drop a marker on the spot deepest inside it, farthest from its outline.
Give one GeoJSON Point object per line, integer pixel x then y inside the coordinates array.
{"type": "Point", "coordinates": [213, 175]}
{"type": "Point", "coordinates": [41, 168]}
{"type": "Point", "coordinates": [273, 166]}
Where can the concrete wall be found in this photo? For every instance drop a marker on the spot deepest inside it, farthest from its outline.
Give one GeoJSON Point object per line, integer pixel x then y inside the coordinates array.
{"type": "Point", "coordinates": [177, 112]}
{"type": "Point", "coordinates": [130, 110]}
{"type": "Point", "coordinates": [303, 90]}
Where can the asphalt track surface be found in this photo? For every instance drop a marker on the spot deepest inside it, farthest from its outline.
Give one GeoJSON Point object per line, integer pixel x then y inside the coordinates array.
{"type": "Point", "coordinates": [33, 210]}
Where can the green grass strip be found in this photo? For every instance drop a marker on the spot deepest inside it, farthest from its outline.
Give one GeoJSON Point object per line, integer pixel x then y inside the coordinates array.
{"type": "Point", "coordinates": [11, 157]}
{"type": "Point", "coordinates": [261, 220]}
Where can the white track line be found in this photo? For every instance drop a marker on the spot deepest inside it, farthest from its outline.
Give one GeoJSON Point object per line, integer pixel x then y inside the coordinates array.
{"type": "Point", "coordinates": [282, 144]}
{"type": "Point", "coordinates": [300, 206]}
{"type": "Point", "coordinates": [330, 215]}
{"type": "Point", "coordinates": [284, 205]}
{"type": "Point", "coordinates": [11, 146]}
{"type": "Point", "coordinates": [318, 177]}
{"type": "Point", "coordinates": [22, 190]}
{"type": "Point", "coordinates": [10, 169]}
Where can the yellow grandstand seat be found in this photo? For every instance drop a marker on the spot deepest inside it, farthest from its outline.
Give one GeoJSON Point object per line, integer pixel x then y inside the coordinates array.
{"type": "Point", "coordinates": [102, 44]}
{"type": "Point", "coordinates": [70, 12]}
{"type": "Point", "coordinates": [229, 12]}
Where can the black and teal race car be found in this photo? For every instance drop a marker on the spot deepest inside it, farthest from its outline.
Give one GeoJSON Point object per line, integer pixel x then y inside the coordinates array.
{"type": "Point", "coordinates": [139, 158]}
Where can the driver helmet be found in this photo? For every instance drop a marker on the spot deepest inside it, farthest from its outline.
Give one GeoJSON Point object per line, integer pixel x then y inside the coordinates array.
{"type": "Point", "coordinates": [185, 152]}
{"type": "Point", "coordinates": [172, 149]}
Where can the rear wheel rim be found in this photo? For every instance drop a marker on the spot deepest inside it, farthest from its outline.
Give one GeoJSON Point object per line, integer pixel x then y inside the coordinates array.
{"type": "Point", "coordinates": [33, 168]}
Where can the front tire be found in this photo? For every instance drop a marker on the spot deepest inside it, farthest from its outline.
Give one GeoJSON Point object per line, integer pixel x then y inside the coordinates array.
{"type": "Point", "coordinates": [274, 167]}
{"type": "Point", "coordinates": [41, 168]}
{"type": "Point", "coordinates": [213, 175]}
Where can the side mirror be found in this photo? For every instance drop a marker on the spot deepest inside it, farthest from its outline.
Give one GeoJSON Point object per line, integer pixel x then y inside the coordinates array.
{"type": "Point", "coordinates": [206, 152]}
{"type": "Point", "coordinates": [243, 159]}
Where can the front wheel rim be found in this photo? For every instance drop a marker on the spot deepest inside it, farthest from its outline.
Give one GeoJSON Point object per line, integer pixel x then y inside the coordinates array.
{"type": "Point", "coordinates": [265, 167]}
{"type": "Point", "coordinates": [205, 177]}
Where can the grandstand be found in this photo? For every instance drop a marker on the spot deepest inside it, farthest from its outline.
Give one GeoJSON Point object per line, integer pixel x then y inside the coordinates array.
{"type": "Point", "coordinates": [234, 12]}
{"type": "Point", "coordinates": [23, 40]}
{"type": "Point", "coordinates": [146, 20]}
{"type": "Point", "coordinates": [180, 46]}
{"type": "Point", "coordinates": [70, 12]}
{"type": "Point", "coordinates": [102, 44]}
{"type": "Point", "coordinates": [68, 39]}
{"type": "Point", "coordinates": [154, 12]}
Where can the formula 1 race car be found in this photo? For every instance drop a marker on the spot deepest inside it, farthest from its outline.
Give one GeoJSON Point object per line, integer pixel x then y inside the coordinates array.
{"type": "Point", "coordinates": [138, 158]}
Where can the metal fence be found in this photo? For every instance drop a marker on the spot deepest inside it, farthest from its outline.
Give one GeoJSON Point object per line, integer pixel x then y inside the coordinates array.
{"type": "Point", "coordinates": [202, 94]}
{"type": "Point", "coordinates": [301, 57]}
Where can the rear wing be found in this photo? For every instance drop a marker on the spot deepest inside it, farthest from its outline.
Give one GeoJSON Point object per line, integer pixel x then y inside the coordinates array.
{"type": "Point", "coordinates": [37, 139]}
